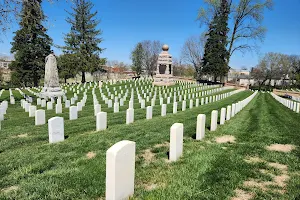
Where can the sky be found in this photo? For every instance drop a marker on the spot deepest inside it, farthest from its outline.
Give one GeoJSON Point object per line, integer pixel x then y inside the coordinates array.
{"type": "Point", "coordinates": [126, 22]}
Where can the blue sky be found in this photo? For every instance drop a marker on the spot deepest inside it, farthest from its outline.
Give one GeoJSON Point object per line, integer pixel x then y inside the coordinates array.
{"type": "Point", "coordinates": [124, 23]}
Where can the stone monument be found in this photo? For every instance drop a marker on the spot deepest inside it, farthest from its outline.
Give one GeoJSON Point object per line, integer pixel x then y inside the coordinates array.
{"type": "Point", "coordinates": [164, 71]}
{"type": "Point", "coordinates": [51, 82]}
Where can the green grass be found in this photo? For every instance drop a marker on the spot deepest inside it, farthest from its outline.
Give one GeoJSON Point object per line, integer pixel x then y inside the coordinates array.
{"type": "Point", "coordinates": [206, 171]}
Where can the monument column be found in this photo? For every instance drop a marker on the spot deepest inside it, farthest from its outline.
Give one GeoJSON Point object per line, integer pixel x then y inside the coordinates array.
{"type": "Point", "coordinates": [164, 61]}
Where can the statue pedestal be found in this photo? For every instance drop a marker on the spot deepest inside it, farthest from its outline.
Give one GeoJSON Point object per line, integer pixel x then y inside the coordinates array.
{"type": "Point", "coordinates": [163, 80]}
{"type": "Point", "coordinates": [51, 92]}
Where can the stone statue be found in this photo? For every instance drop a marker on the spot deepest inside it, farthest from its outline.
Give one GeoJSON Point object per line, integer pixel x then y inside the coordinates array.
{"type": "Point", "coordinates": [51, 80]}
{"type": "Point", "coordinates": [51, 72]}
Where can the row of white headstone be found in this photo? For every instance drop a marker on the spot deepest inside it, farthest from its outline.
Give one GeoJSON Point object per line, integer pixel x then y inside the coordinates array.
{"type": "Point", "coordinates": [120, 158]}
{"type": "Point", "coordinates": [101, 118]}
{"type": "Point", "coordinates": [293, 105]}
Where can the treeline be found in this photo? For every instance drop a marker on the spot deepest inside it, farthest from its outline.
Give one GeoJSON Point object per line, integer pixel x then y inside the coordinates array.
{"type": "Point", "coordinates": [31, 44]}
{"type": "Point", "coordinates": [277, 67]}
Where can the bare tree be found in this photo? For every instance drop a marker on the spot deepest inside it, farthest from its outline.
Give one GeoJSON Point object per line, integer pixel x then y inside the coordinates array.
{"type": "Point", "coordinates": [246, 28]}
{"type": "Point", "coordinates": [192, 52]}
{"type": "Point", "coordinates": [151, 52]}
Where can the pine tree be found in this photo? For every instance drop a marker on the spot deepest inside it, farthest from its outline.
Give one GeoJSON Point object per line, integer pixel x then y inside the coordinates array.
{"type": "Point", "coordinates": [216, 54]}
{"type": "Point", "coordinates": [31, 45]}
{"type": "Point", "coordinates": [137, 56]}
{"type": "Point", "coordinates": [83, 39]}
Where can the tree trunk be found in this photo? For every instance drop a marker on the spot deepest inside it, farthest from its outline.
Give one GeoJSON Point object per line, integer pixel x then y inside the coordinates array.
{"type": "Point", "coordinates": [65, 79]}
{"type": "Point", "coordinates": [35, 80]}
{"type": "Point", "coordinates": [82, 77]}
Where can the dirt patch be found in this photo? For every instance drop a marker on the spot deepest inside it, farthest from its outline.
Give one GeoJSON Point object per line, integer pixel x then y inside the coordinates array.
{"type": "Point", "coordinates": [225, 139]}
{"type": "Point", "coordinates": [148, 156]}
{"type": "Point", "coordinates": [9, 189]}
{"type": "Point", "coordinates": [263, 171]}
{"type": "Point", "coordinates": [257, 184]}
{"type": "Point", "coordinates": [281, 180]}
{"type": "Point", "coordinates": [152, 186]}
{"type": "Point", "coordinates": [279, 166]}
{"type": "Point", "coordinates": [281, 147]}
{"type": "Point", "coordinates": [254, 160]}
{"type": "Point", "coordinates": [165, 144]}
{"type": "Point", "coordinates": [242, 195]}
{"type": "Point", "coordinates": [20, 136]}
{"type": "Point", "coordinates": [90, 155]}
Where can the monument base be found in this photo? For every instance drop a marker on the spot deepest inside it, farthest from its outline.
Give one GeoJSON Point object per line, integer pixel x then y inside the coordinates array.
{"type": "Point", "coordinates": [51, 93]}
{"type": "Point", "coordinates": [163, 80]}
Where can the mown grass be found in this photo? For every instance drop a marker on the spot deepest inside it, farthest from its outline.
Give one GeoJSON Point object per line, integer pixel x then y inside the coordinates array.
{"type": "Point", "coordinates": [206, 170]}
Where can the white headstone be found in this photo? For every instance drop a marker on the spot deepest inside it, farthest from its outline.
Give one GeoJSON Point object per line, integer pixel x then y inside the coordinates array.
{"type": "Point", "coordinates": [129, 116]}
{"type": "Point", "coordinates": [116, 107]}
{"type": "Point", "coordinates": [101, 121]}
{"type": "Point", "coordinates": [56, 129]}
{"type": "Point", "coordinates": [183, 105]}
{"type": "Point", "coordinates": [97, 109]}
{"type": "Point", "coordinates": [200, 129]}
{"type": "Point", "coordinates": [174, 107]}
{"type": "Point", "coordinates": [176, 141]}
{"type": "Point", "coordinates": [73, 113]}
{"type": "Point", "coordinates": [120, 170]}
{"type": "Point", "coordinates": [32, 110]}
{"type": "Point", "coordinates": [43, 103]}
{"type": "Point", "coordinates": [163, 110]}
{"type": "Point", "coordinates": [222, 116]}
{"type": "Point", "coordinates": [67, 104]}
{"type": "Point", "coordinates": [214, 120]}
{"type": "Point", "coordinates": [58, 108]}
{"type": "Point", "coordinates": [149, 112]}
{"type": "Point", "coordinates": [49, 105]}
{"type": "Point", "coordinates": [228, 113]}
{"type": "Point", "coordinates": [40, 117]}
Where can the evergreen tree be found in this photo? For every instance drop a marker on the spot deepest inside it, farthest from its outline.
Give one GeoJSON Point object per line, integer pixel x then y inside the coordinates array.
{"type": "Point", "coordinates": [65, 66]}
{"type": "Point", "coordinates": [216, 54]}
{"type": "Point", "coordinates": [137, 56]}
{"type": "Point", "coordinates": [83, 39]}
{"type": "Point", "coordinates": [31, 45]}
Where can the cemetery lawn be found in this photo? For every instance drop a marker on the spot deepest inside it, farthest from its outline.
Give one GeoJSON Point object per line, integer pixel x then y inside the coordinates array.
{"type": "Point", "coordinates": [30, 168]}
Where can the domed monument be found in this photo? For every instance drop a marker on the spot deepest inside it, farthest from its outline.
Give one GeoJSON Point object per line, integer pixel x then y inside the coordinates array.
{"type": "Point", "coordinates": [164, 70]}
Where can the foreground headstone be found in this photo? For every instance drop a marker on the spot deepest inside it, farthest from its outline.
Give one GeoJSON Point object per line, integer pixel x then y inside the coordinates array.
{"type": "Point", "coordinates": [101, 121]}
{"type": "Point", "coordinates": [32, 110]}
{"type": "Point", "coordinates": [120, 170]}
{"type": "Point", "coordinates": [67, 104]}
{"type": "Point", "coordinates": [233, 110]}
{"type": "Point", "coordinates": [214, 120]}
{"type": "Point", "coordinates": [200, 129]}
{"type": "Point", "coordinates": [149, 112]}
{"type": "Point", "coordinates": [58, 108]}
{"type": "Point", "coordinates": [163, 110]}
{"type": "Point", "coordinates": [56, 129]}
{"type": "Point", "coordinates": [174, 107]}
{"type": "Point", "coordinates": [176, 141]}
{"type": "Point", "coordinates": [49, 105]}
{"type": "Point", "coordinates": [40, 117]}
{"type": "Point", "coordinates": [222, 116]}
{"type": "Point", "coordinates": [228, 113]}
{"type": "Point", "coordinates": [73, 113]}
{"type": "Point", "coordinates": [129, 116]}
